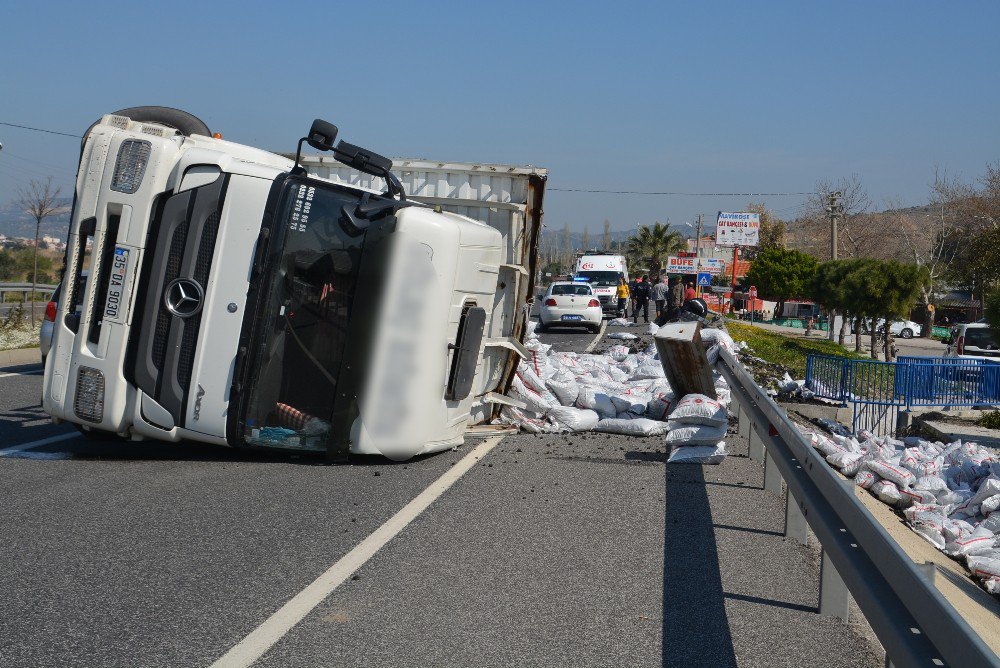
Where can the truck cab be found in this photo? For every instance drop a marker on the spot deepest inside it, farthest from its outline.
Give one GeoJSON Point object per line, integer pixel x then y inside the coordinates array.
{"type": "Point", "coordinates": [220, 293]}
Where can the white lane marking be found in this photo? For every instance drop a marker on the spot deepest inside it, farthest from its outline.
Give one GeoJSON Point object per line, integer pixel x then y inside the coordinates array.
{"type": "Point", "coordinates": [600, 333]}
{"type": "Point", "coordinates": [261, 639]}
{"type": "Point", "coordinates": [8, 451]}
{"type": "Point", "coordinates": [35, 372]}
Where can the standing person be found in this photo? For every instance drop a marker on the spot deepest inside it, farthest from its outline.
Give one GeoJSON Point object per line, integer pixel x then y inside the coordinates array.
{"type": "Point", "coordinates": [623, 293]}
{"type": "Point", "coordinates": [659, 293]}
{"type": "Point", "coordinates": [676, 297]}
{"type": "Point", "coordinates": [690, 292]}
{"type": "Point", "coordinates": [641, 300]}
{"type": "Point", "coordinates": [809, 325]}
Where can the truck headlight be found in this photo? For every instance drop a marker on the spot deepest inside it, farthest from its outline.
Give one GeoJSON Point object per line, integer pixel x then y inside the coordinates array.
{"type": "Point", "coordinates": [131, 165]}
{"type": "Point", "coordinates": [88, 404]}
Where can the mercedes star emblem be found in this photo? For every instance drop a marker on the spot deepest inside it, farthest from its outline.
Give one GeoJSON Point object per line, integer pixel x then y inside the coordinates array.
{"type": "Point", "coordinates": [183, 297]}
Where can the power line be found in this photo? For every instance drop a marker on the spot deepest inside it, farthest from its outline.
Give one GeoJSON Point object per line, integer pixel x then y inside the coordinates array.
{"type": "Point", "coordinates": [678, 194]}
{"type": "Point", "coordinates": [51, 132]}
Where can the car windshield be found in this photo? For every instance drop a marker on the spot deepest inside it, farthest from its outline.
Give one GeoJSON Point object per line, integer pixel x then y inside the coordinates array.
{"type": "Point", "coordinates": [980, 337]}
{"type": "Point", "coordinates": [569, 289]}
{"type": "Point", "coordinates": [600, 277]}
{"type": "Point", "coordinates": [304, 320]}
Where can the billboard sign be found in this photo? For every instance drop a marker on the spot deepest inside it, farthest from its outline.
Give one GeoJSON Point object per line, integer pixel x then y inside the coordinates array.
{"type": "Point", "coordinates": [713, 266]}
{"type": "Point", "coordinates": [737, 229]}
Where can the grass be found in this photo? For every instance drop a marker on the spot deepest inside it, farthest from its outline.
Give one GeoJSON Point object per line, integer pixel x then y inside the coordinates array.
{"type": "Point", "coordinates": [787, 351]}
{"type": "Point", "coordinates": [991, 420]}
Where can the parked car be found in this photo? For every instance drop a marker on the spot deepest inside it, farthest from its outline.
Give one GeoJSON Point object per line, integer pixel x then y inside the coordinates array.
{"type": "Point", "coordinates": [974, 341]}
{"type": "Point", "coordinates": [45, 334]}
{"type": "Point", "coordinates": [904, 329]}
{"type": "Point", "coordinates": [570, 305]}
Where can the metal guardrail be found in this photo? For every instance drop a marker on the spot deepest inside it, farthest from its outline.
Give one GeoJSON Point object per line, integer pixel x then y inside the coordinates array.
{"type": "Point", "coordinates": [25, 287]}
{"type": "Point", "coordinates": [916, 625]}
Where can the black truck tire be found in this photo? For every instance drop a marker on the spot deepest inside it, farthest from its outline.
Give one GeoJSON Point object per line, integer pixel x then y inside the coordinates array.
{"type": "Point", "coordinates": [185, 123]}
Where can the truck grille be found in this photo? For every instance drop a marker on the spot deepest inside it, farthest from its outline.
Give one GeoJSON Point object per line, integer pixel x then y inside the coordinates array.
{"type": "Point", "coordinates": [182, 245]}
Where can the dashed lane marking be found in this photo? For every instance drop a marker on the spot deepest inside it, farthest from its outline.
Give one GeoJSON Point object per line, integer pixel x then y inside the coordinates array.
{"type": "Point", "coordinates": [600, 334]}
{"type": "Point", "coordinates": [30, 445]}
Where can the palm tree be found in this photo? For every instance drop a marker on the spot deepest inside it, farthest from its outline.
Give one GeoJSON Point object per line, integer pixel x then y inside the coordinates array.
{"type": "Point", "coordinates": [654, 244]}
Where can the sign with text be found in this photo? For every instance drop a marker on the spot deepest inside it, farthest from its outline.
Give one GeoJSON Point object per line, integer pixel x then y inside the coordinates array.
{"type": "Point", "coordinates": [737, 229]}
{"type": "Point", "coordinates": [682, 265]}
{"type": "Point", "coordinates": [713, 266]}
{"type": "Point", "coordinates": [692, 265]}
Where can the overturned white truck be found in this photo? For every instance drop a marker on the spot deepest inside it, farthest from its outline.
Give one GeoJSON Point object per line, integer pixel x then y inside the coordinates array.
{"type": "Point", "coordinates": [220, 293]}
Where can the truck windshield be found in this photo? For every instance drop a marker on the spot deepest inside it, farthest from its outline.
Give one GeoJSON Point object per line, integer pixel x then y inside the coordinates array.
{"type": "Point", "coordinates": [302, 326]}
{"type": "Point", "coordinates": [600, 277]}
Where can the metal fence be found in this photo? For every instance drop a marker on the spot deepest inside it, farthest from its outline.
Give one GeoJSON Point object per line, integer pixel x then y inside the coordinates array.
{"type": "Point", "coordinates": [877, 391]}
{"type": "Point", "coordinates": [912, 619]}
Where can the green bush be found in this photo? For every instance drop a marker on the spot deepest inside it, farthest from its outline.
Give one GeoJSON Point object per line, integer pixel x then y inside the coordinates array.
{"type": "Point", "coordinates": [991, 420]}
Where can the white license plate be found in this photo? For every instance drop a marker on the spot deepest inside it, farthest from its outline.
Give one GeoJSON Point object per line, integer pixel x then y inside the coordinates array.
{"type": "Point", "coordinates": [114, 305]}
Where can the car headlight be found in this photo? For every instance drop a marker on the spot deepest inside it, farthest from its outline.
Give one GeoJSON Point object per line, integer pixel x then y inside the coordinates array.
{"type": "Point", "coordinates": [88, 403]}
{"type": "Point", "coordinates": [133, 155]}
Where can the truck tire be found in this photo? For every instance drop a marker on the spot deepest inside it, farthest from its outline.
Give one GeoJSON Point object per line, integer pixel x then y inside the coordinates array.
{"type": "Point", "coordinates": [185, 123]}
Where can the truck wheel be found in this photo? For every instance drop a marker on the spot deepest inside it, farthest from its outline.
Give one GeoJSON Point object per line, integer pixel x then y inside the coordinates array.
{"type": "Point", "coordinates": [185, 123]}
{"type": "Point", "coordinates": [907, 333]}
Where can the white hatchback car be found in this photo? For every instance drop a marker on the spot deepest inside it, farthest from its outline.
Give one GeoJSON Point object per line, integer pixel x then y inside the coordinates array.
{"type": "Point", "coordinates": [974, 341]}
{"type": "Point", "coordinates": [567, 304]}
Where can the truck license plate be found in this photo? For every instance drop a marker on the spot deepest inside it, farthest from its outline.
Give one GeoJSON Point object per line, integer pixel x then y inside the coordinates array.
{"type": "Point", "coordinates": [114, 307]}
{"type": "Point", "coordinates": [572, 317]}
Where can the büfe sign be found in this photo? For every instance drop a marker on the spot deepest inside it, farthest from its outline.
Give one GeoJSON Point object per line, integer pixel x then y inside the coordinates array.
{"type": "Point", "coordinates": [682, 265]}
{"type": "Point", "coordinates": [737, 229]}
{"type": "Point", "coordinates": [691, 265]}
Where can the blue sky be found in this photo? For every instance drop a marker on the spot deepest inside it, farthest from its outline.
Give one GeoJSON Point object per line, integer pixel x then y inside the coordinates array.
{"type": "Point", "coordinates": [693, 97]}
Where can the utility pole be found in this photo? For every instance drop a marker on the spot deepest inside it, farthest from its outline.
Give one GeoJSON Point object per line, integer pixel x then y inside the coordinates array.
{"type": "Point", "coordinates": [697, 252]}
{"type": "Point", "coordinates": [834, 209]}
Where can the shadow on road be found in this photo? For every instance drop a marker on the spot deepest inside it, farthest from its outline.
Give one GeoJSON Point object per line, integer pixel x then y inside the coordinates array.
{"type": "Point", "coordinates": [695, 626]}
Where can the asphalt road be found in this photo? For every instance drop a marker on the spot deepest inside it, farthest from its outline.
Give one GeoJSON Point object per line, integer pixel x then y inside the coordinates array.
{"type": "Point", "coordinates": [583, 550]}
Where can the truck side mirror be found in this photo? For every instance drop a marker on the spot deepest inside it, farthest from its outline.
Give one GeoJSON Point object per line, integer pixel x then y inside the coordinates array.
{"type": "Point", "coordinates": [322, 135]}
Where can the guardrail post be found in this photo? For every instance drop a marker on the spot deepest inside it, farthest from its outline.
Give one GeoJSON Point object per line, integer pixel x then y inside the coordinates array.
{"type": "Point", "coordinates": [756, 445]}
{"type": "Point", "coordinates": [772, 476]}
{"type": "Point", "coordinates": [745, 428]}
{"type": "Point", "coordinates": [796, 526]}
{"type": "Point", "coordinates": [834, 599]}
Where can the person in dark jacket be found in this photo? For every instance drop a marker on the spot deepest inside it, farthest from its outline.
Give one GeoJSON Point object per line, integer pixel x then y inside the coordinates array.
{"type": "Point", "coordinates": [641, 297]}
{"type": "Point", "coordinates": [675, 298]}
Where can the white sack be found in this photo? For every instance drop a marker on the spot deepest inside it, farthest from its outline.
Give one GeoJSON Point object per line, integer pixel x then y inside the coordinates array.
{"type": "Point", "coordinates": [574, 419]}
{"type": "Point", "coordinates": [633, 427]}
{"type": "Point", "coordinates": [698, 454]}
{"type": "Point", "coordinates": [694, 434]}
{"type": "Point", "coordinates": [700, 409]}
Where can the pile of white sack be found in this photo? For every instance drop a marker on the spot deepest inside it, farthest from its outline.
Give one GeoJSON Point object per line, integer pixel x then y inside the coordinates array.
{"type": "Point", "coordinates": [949, 494]}
{"type": "Point", "coordinates": [618, 392]}
{"type": "Point", "coordinates": [697, 428]}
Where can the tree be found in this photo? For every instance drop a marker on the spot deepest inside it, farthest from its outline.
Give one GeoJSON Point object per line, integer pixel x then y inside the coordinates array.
{"type": "Point", "coordinates": [781, 274]}
{"type": "Point", "coordinates": [8, 265]}
{"type": "Point", "coordinates": [566, 252]}
{"type": "Point", "coordinates": [585, 239]}
{"type": "Point", "coordinates": [606, 241]}
{"type": "Point", "coordinates": [993, 309]}
{"type": "Point", "coordinates": [40, 201]}
{"type": "Point", "coordinates": [654, 244]}
{"type": "Point", "coordinates": [772, 231]}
